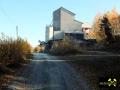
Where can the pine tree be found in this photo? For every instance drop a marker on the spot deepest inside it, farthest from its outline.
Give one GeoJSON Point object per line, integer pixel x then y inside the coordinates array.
{"type": "Point", "coordinates": [105, 25]}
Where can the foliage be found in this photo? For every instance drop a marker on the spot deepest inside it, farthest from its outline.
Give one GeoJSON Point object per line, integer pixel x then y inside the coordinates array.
{"type": "Point", "coordinates": [99, 33]}
{"type": "Point", "coordinates": [114, 19]}
{"type": "Point", "coordinates": [12, 50]}
{"type": "Point", "coordinates": [65, 46]}
{"type": "Point", "coordinates": [107, 26]}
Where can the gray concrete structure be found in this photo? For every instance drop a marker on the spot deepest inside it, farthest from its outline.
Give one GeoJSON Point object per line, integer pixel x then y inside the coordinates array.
{"type": "Point", "coordinates": [49, 33]}
{"type": "Point", "coordinates": [64, 20]}
{"type": "Point", "coordinates": [64, 23]}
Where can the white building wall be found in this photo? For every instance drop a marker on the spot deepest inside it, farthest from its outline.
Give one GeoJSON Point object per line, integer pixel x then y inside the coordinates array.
{"type": "Point", "coordinates": [49, 33]}
{"type": "Point", "coordinates": [58, 35]}
{"type": "Point", "coordinates": [76, 27]}
{"type": "Point", "coordinates": [87, 29]}
{"type": "Point", "coordinates": [69, 24]}
{"type": "Point", "coordinates": [66, 21]}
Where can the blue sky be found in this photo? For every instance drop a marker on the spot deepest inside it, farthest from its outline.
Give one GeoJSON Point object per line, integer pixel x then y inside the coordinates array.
{"type": "Point", "coordinates": [32, 16]}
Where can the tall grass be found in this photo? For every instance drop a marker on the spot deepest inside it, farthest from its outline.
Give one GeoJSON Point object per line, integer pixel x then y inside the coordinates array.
{"type": "Point", "coordinates": [65, 46]}
{"type": "Point", "coordinates": [13, 50]}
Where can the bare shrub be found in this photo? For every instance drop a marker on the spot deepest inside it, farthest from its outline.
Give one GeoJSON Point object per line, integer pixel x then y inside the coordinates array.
{"type": "Point", "coordinates": [12, 50]}
{"type": "Point", "coordinates": [65, 46]}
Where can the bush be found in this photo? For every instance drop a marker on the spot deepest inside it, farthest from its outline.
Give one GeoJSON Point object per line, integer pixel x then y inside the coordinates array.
{"type": "Point", "coordinates": [65, 46]}
{"type": "Point", "coordinates": [115, 46]}
{"type": "Point", "coordinates": [12, 50]}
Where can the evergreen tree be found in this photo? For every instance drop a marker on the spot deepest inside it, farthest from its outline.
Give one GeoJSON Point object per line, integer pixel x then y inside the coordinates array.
{"type": "Point", "coordinates": [105, 25]}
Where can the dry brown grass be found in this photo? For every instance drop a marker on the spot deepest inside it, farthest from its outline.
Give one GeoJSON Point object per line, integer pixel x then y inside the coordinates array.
{"type": "Point", "coordinates": [93, 68]}
{"type": "Point", "coordinates": [65, 46]}
{"type": "Point", "coordinates": [13, 50]}
{"type": "Point", "coordinates": [13, 53]}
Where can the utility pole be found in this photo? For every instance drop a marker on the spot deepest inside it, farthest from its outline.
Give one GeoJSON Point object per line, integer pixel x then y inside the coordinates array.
{"type": "Point", "coordinates": [17, 32]}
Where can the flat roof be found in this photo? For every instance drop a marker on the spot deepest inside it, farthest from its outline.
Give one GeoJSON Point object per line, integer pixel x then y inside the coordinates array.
{"type": "Point", "coordinates": [65, 10]}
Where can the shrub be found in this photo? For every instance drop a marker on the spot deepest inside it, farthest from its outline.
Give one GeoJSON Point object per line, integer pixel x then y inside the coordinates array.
{"type": "Point", "coordinates": [65, 46]}
{"type": "Point", "coordinates": [12, 50]}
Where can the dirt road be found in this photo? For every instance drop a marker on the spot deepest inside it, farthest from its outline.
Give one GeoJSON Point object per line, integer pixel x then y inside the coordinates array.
{"type": "Point", "coordinates": [46, 72]}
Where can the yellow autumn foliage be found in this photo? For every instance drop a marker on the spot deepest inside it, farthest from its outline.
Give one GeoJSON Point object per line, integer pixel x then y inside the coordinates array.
{"type": "Point", "coordinates": [113, 18]}
{"type": "Point", "coordinates": [12, 50]}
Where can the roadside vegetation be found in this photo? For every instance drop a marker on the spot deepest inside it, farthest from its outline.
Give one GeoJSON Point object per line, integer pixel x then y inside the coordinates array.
{"type": "Point", "coordinates": [13, 53]}
{"type": "Point", "coordinates": [39, 48]}
{"type": "Point", "coordinates": [107, 30]}
{"type": "Point", "coordinates": [65, 46]}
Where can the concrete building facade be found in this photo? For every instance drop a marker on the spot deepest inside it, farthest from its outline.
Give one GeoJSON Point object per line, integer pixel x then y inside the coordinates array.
{"type": "Point", "coordinates": [49, 33]}
{"type": "Point", "coordinates": [64, 24]}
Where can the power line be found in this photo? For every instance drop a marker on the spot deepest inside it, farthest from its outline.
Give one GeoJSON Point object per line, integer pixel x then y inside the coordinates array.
{"type": "Point", "coordinates": [6, 15]}
{"type": "Point", "coordinates": [9, 19]}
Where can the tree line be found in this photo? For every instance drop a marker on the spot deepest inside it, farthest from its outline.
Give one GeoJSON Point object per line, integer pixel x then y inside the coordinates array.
{"type": "Point", "coordinates": [107, 27]}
